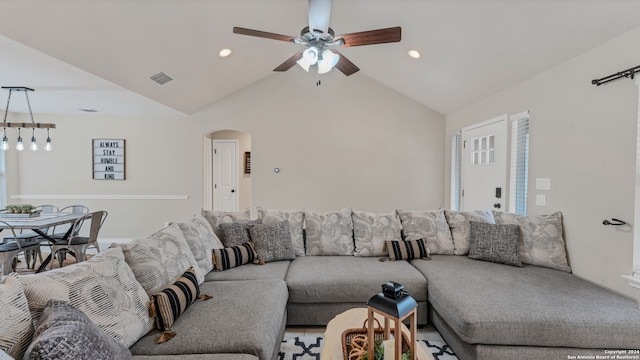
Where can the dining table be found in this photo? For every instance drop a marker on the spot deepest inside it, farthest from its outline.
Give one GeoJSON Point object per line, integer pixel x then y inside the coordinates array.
{"type": "Point", "coordinates": [40, 224]}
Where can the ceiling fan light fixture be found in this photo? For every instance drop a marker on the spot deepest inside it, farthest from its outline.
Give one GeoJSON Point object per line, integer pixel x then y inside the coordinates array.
{"type": "Point", "coordinates": [303, 64]}
{"type": "Point", "coordinates": [327, 62]}
{"type": "Point", "coordinates": [310, 55]}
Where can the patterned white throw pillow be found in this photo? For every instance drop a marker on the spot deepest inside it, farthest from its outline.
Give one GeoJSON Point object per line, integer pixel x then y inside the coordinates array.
{"type": "Point", "coordinates": [16, 328]}
{"type": "Point", "coordinates": [160, 259]}
{"type": "Point", "coordinates": [104, 288]}
{"type": "Point", "coordinates": [296, 225]}
{"type": "Point", "coordinates": [541, 239]}
{"type": "Point", "coordinates": [329, 233]}
{"type": "Point", "coordinates": [215, 218]}
{"type": "Point", "coordinates": [201, 239]}
{"type": "Point", "coordinates": [461, 230]}
{"type": "Point", "coordinates": [371, 231]}
{"type": "Point", "coordinates": [430, 225]}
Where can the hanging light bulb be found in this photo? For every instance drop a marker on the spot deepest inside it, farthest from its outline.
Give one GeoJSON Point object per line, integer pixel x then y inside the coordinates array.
{"type": "Point", "coordinates": [47, 145]}
{"type": "Point", "coordinates": [19, 144]}
{"type": "Point", "coordinates": [5, 141]}
{"type": "Point", "coordinates": [34, 145]}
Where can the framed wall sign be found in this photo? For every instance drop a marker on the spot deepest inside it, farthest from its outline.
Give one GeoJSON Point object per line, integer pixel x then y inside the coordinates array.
{"type": "Point", "coordinates": [108, 159]}
{"type": "Point", "coordinates": [247, 162]}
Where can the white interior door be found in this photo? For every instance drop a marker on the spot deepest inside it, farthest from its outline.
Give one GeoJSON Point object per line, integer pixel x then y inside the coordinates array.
{"type": "Point", "coordinates": [484, 165]}
{"type": "Point", "coordinates": [225, 178]}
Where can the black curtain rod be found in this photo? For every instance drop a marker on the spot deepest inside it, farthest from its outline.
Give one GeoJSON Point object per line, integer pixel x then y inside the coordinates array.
{"type": "Point", "coordinates": [629, 73]}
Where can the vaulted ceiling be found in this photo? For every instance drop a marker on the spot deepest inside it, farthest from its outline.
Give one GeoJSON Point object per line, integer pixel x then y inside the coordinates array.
{"type": "Point", "coordinates": [99, 54]}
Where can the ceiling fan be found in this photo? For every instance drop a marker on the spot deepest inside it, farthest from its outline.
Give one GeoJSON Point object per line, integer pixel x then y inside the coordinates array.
{"type": "Point", "coordinates": [320, 41]}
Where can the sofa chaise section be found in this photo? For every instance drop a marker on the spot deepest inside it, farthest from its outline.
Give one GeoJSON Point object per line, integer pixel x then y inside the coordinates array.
{"type": "Point", "coordinates": [272, 270]}
{"type": "Point", "coordinates": [493, 310]}
{"type": "Point", "coordinates": [321, 287]}
{"type": "Point", "coordinates": [243, 317]}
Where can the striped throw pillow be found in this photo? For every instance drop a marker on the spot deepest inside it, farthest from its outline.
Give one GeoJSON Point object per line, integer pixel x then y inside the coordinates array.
{"type": "Point", "coordinates": [230, 257]}
{"type": "Point", "coordinates": [171, 302]}
{"type": "Point", "coordinates": [408, 250]}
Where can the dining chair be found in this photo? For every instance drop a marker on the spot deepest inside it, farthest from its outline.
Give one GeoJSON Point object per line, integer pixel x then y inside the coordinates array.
{"type": "Point", "coordinates": [10, 249]}
{"type": "Point", "coordinates": [61, 230]}
{"type": "Point", "coordinates": [76, 244]}
{"type": "Point", "coordinates": [30, 235]}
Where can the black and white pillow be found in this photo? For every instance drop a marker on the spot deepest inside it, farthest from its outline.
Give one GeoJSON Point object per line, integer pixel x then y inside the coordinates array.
{"type": "Point", "coordinates": [495, 243]}
{"type": "Point", "coordinates": [65, 333]}
{"type": "Point", "coordinates": [230, 257]}
{"type": "Point", "coordinates": [236, 233]}
{"type": "Point", "coordinates": [408, 250]}
{"type": "Point", "coordinates": [272, 242]}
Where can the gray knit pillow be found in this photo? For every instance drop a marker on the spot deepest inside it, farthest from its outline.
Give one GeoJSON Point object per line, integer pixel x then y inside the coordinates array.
{"type": "Point", "coordinates": [272, 242]}
{"type": "Point", "coordinates": [495, 243]}
{"type": "Point", "coordinates": [65, 333]}
{"type": "Point", "coordinates": [236, 233]}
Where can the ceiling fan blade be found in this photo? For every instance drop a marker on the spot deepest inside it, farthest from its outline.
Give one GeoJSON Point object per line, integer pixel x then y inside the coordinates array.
{"type": "Point", "coordinates": [262, 34]}
{"type": "Point", "coordinates": [290, 62]}
{"type": "Point", "coordinates": [319, 15]}
{"type": "Point", "coordinates": [371, 37]}
{"type": "Point", "coordinates": [345, 65]}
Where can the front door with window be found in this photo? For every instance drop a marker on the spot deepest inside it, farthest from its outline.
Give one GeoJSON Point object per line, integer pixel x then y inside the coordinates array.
{"type": "Point", "coordinates": [484, 165]}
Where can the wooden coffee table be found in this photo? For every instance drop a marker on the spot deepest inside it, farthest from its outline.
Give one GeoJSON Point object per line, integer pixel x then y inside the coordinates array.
{"type": "Point", "coordinates": [350, 319]}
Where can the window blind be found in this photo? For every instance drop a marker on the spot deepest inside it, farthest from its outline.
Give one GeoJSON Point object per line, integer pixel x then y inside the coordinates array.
{"type": "Point", "coordinates": [456, 170]}
{"type": "Point", "coordinates": [519, 163]}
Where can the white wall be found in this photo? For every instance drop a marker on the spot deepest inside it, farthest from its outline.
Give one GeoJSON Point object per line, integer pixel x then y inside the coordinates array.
{"type": "Point", "coordinates": [583, 137]}
{"type": "Point", "coordinates": [163, 157]}
{"type": "Point", "coordinates": [349, 142]}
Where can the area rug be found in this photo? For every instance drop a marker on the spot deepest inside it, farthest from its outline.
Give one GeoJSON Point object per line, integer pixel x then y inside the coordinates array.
{"type": "Point", "coordinates": [308, 348]}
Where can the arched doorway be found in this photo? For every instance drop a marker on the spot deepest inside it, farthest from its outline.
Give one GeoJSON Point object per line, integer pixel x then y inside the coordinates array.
{"type": "Point", "coordinates": [227, 171]}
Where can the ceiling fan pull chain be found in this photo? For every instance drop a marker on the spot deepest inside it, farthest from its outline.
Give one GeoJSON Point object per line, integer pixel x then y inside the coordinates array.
{"type": "Point", "coordinates": [318, 83]}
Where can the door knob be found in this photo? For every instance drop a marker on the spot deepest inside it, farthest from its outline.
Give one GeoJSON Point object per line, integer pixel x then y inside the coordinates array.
{"type": "Point", "coordinates": [233, 190]}
{"type": "Point", "coordinates": [497, 206]}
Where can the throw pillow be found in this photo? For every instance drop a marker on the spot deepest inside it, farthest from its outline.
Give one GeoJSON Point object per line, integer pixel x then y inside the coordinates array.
{"type": "Point", "coordinates": [66, 333]}
{"type": "Point", "coordinates": [201, 239]}
{"type": "Point", "coordinates": [215, 218]}
{"type": "Point", "coordinates": [160, 259]}
{"type": "Point", "coordinates": [494, 243]}
{"type": "Point", "coordinates": [170, 303]}
{"type": "Point", "coordinates": [15, 318]}
{"type": "Point", "coordinates": [408, 250]}
{"type": "Point", "coordinates": [429, 225]}
{"type": "Point", "coordinates": [460, 228]}
{"type": "Point", "coordinates": [272, 242]}
{"type": "Point", "coordinates": [296, 225]}
{"type": "Point", "coordinates": [541, 239]}
{"type": "Point", "coordinates": [103, 287]}
{"type": "Point", "coordinates": [371, 231]}
{"type": "Point", "coordinates": [236, 233]}
{"type": "Point", "coordinates": [228, 258]}
{"type": "Point", "coordinates": [329, 233]}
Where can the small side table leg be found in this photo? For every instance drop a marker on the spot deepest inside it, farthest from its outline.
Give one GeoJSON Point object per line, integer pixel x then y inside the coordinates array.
{"type": "Point", "coordinates": [398, 337]}
{"type": "Point", "coordinates": [413, 324]}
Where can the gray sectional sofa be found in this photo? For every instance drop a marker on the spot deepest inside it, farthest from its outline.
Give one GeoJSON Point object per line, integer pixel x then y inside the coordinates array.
{"type": "Point", "coordinates": [335, 261]}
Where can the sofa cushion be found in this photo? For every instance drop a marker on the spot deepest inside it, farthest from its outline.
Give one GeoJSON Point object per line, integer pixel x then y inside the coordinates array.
{"type": "Point", "coordinates": [339, 279]}
{"type": "Point", "coordinates": [296, 225]}
{"type": "Point", "coordinates": [215, 218]}
{"type": "Point", "coordinates": [213, 326]}
{"type": "Point", "coordinates": [66, 333]}
{"type": "Point", "coordinates": [15, 319]}
{"type": "Point", "coordinates": [541, 239]}
{"type": "Point", "coordinates": [408, 250]}
{"type": "Point", "coordinates": [495, 242]}
{"type": "Point", "coordinates": [372, 231]}
{"type": "Point", "coordinates": [329, 233]}
{"type": "Point", "coordinates": [488, 303]}
{"type": "Point", "coordinates": [231, 257]}
{"type": "Point", "coordinates": [272, 241]}
{"type": "Point", "coordinates": [236, 233]}
{"type": "Point", "coordinates": [460, 228]}
{"type": "Point", "coordinates": [104, 288]}
{"type": "Point", "coordinates": [429, 225]}
{"type": "Point", "coordinates": [201, 239]}
{"type": "Point", "coordinates": [171, 302]}
{"type": "Point", "coordinates": [272, 270]}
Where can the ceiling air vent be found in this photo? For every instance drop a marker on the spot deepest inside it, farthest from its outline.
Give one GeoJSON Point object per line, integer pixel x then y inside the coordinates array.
{"type": "Point", "coordinates": [161, 78]}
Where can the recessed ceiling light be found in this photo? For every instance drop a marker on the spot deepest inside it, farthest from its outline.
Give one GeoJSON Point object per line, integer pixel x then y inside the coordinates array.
{"type": "Point", "coordinates": [414, 54]}
{"type": "Point", "coordinates": [224, 53]}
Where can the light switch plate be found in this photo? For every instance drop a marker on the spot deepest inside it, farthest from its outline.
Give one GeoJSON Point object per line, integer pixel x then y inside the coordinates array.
{"type": "Point", "coordinates": [541, 200]}
{"type": "Point", "coordinates": [543, 184]}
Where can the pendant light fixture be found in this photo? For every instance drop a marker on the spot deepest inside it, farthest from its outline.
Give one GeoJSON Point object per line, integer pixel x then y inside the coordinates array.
{"type": "Point", "coordinates": [33, 125]}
